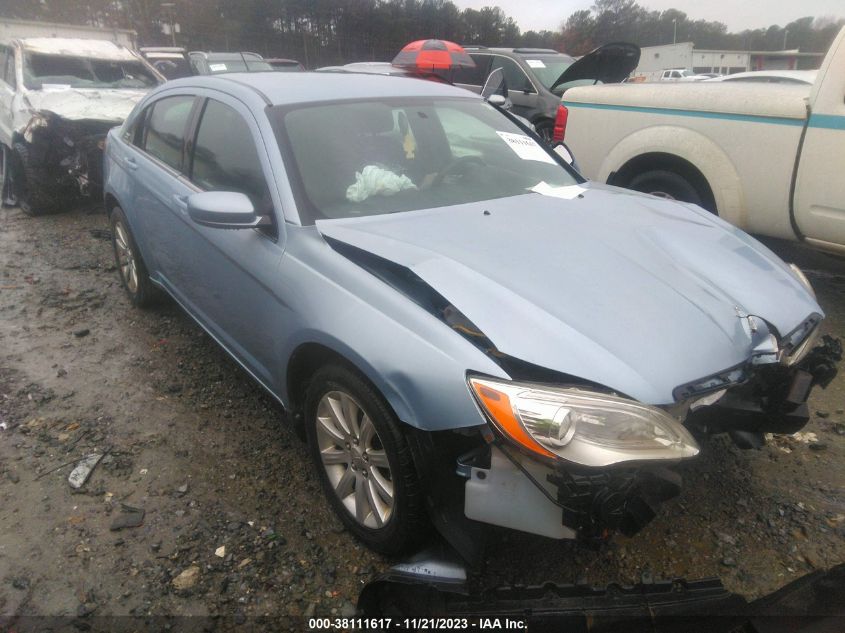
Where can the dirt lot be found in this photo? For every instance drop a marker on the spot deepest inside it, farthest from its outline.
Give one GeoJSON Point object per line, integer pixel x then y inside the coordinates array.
{"type": "Point", "coordinates": [235, 524]}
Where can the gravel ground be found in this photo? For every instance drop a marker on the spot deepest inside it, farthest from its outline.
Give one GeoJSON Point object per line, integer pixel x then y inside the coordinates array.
{"type": "Point", "coordinates": [234, 523]}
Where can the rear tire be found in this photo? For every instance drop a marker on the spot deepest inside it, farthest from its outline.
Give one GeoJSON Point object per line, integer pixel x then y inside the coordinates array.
{"type": "Point", "coordinates": [666, 184]}
{"type": "Point", "coordinates": [363, 461]}
{"type": "Point", "coordinates": [130, 265]}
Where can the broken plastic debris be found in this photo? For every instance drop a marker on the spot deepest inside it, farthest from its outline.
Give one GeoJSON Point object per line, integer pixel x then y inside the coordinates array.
{"type": "Point", "coordinates": [805, 437]}
{"type": "Point", "coordinates": [79, 475]}
{"type": "Point", "coordinates": [377, 181]}
{"type": "Point", "coordinates": [220, 551]}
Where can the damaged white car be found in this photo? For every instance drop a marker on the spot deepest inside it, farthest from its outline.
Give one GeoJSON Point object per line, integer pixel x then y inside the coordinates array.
{"type": "Point", "coordinates": [58, 99]}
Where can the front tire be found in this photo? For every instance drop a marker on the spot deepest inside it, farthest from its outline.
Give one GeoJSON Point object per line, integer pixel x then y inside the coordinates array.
{"type": "Point", "coordinates": [36, 191]}
{"type": "Point", "coordinates": [7, 185]}
{"type": "Point", "coordinates": [363, 461]}
{"type": "Point", "coordinates": [130, 265]}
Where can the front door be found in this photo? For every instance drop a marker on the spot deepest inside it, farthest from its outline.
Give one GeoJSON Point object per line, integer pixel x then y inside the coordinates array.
{"type": "Point", "coordinates": [230, 277]}
{"type": "Point", "coordinates": [819, 203]}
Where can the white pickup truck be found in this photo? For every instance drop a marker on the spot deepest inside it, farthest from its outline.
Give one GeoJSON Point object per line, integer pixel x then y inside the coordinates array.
{"type": "Point", "coordinates": [769, 158]}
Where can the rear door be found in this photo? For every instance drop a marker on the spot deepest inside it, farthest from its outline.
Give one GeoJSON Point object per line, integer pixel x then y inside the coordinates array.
{"type": "Point", "coordinates": [157, 163]}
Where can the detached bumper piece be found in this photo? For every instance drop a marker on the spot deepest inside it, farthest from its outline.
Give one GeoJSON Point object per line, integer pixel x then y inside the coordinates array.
{"type": "Point", "coordinates": [429, 586]}
{"type": "Point", "coordinates": [507, 489]}
{"type": "Point", "coordinates": [774, 400]}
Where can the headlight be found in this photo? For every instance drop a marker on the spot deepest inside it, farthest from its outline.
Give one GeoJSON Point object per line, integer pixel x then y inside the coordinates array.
{"type": "Point", "coordinates": [801, 340]}
{"type": "Point", "coordinates": [584, 427]}
{"type": "Point", "coordinates": [799, 274]}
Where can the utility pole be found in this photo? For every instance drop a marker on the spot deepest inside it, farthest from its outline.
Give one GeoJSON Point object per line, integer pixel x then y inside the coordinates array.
{"type": "Point", "coordinates": [785, 33]}
{"type": "Point", "coordinates": [674, 30]}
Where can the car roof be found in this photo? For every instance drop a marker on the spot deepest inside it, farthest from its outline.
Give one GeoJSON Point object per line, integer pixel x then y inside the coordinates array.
{"type": "Point", "coordinates": [293, 88]}
{"type": "Point", "coordinates": [213, 56]}
{"type": "Point", "coordinates": [78, 47]}
{"type": "Point", "coordinates": [518, 52]}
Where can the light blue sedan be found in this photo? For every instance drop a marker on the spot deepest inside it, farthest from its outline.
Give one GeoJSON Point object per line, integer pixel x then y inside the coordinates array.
{"type": "Point", "coordinates": [468, 332]}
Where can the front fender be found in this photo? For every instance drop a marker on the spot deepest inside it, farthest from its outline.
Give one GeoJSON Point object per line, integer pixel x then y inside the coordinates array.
{"type": "Point", "coordinates": [417, 362]}
{"type": "Point", "coordinates": [695, 148]}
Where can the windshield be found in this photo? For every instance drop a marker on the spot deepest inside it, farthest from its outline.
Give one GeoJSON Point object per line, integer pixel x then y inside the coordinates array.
{"type": "Point", "coordinates": [85, 72]}
{"type": "Point", "coordinates": [366, 158]}
{"type": "Point", "coordinates": [548, 68]}
{"type": "Point", "coordinates": [237, 65]}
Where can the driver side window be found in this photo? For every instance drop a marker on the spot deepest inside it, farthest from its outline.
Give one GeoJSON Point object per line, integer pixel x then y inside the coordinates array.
{"type": "Point", "coordinates": [515, 77]}
{"type": "Point", "coordinates": [225, 157]}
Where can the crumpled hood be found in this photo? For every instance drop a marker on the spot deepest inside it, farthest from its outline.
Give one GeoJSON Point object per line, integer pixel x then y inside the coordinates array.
{"type": "Point", "coordinates": [630, 291]}
{"type": "Point", "coordinates": [74, 104]}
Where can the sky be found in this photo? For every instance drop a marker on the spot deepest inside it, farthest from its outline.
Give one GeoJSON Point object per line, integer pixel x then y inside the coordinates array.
{"type": "Point", "coordinates": [737, 14]}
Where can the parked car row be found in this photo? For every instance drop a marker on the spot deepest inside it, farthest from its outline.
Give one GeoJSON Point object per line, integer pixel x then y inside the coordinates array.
{"type": "Point", "coordinates": [174, 62]}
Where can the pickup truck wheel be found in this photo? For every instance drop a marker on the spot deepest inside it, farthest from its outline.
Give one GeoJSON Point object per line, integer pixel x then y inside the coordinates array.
{"type": "Point", "coordinates": [363, 460]}
{"type": "Point", "coordinates": [37, 192]}
{"type": "Point", "coordinates": [7, 185]}
{"type": "Point", "coordinates": [666, 184]}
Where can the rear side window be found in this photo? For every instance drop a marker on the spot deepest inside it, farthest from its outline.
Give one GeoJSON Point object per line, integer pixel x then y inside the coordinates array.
{"type": "Point", "coordinates": [164, 135]}
{"type": "Point", "coordinates": [225, 157]}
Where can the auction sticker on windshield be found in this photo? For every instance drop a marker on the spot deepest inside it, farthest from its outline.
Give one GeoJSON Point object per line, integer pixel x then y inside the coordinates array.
{"type": "Point", "coordinates": [525, 147]}
{"type": "Point", "coordinates": [216, 67]}
{"type": "Point", "coordinates": [535, 63]}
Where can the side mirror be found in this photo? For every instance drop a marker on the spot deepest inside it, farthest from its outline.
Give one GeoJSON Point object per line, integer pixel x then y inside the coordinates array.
{"type": "Point", "coordinates": [224, 210]}
{"type": "Point", "coordinates": [497, 100]}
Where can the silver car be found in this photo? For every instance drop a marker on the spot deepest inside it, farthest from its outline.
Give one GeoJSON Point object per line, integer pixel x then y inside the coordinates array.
{"type": "Point", "coordinates": [469, 333]}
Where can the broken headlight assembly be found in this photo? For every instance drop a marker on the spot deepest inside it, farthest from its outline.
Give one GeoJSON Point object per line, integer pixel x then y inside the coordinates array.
{"type": "Point", "coordinates": [584, 427]}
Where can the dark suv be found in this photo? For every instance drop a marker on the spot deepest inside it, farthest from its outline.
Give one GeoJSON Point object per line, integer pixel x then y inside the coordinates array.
{"type": "Point", "coordinates": [530, 74]}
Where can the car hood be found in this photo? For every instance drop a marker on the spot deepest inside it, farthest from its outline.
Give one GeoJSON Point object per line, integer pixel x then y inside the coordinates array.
{"type": "Point", "coordinates": [608, 64]}
{"type": "Point", "coordinates": [75, 104]}
{"type": "Point", "coordinates": [630, 291]}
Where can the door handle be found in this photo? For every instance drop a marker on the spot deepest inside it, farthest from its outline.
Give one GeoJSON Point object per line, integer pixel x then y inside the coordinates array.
{"type": "Point", "coordinates": [130, 163]}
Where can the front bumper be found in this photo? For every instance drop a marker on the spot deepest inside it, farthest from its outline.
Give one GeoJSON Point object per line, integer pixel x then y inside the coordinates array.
{"type": "Point", "coordinates": [507, 488]}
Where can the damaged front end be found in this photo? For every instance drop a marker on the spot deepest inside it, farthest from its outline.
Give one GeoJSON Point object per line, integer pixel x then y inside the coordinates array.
{"type": "Point", "coordinates": [565, 457]}
{"type": "Point", "coordinates": [64, 156]}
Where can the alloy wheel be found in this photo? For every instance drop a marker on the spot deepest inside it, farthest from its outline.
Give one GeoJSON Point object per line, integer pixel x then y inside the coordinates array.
{"type": "Point", "coordinates": [126, 258]}
{"type": "Point", "coordinates": [354, 459]}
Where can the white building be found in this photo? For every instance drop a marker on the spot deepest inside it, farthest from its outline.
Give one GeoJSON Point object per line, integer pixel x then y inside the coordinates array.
{"type": "Point", "coordinates": [685, 55]}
